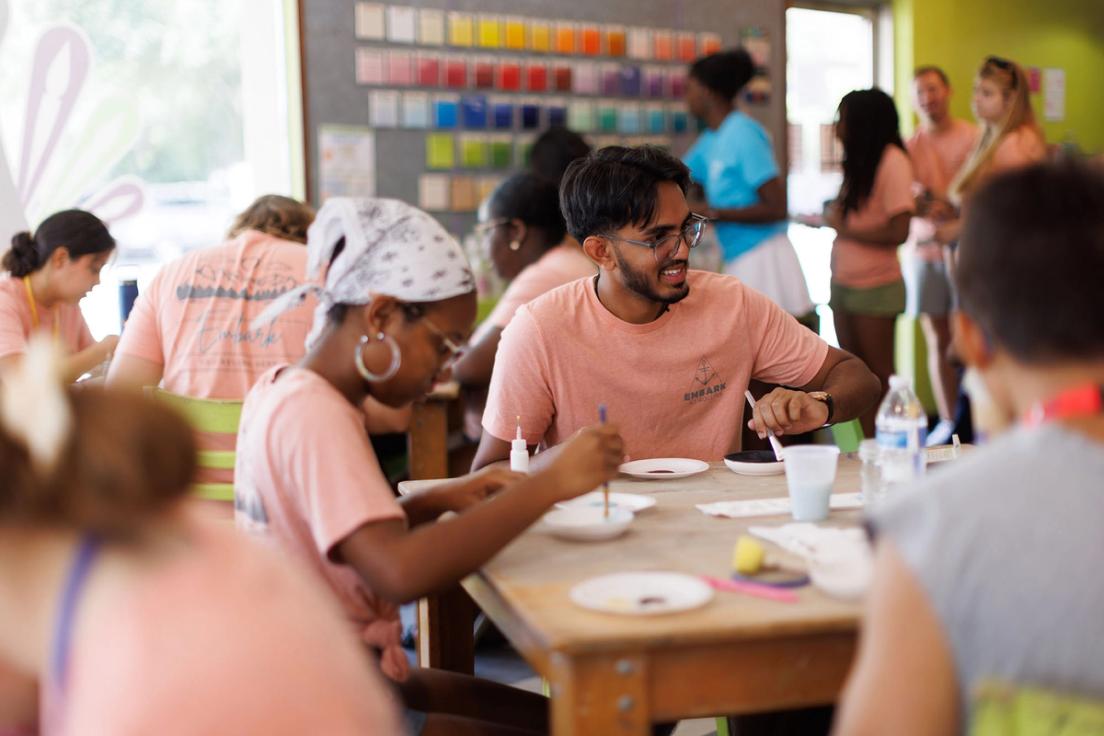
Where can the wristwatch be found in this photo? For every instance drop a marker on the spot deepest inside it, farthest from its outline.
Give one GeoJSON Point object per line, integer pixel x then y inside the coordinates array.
{"type": "Point", "coordinates": [827, 399]}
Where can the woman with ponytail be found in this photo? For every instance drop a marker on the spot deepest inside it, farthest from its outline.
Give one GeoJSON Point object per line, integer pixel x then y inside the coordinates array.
{"type": "Point", "coordinates": [49, 272]}
{"type": "Point", "coordinates": [132, 617]}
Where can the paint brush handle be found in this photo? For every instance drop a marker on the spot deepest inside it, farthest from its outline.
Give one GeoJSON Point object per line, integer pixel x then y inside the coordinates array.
{"type": "Point", "coordinates": [774, 443]}
{"type": "Point", "coordinates": [605, 486]}
{"type": "Point", "coordinates": [752, 589]}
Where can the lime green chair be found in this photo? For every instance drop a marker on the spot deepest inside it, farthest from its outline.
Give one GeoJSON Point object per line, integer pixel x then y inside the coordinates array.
{"type": "Point", "coordinates": [1007, 710]}
{"type": "Point", "coordinates": [215, 417]}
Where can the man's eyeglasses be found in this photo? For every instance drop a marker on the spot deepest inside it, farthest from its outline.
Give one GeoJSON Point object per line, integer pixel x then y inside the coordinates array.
{"type": "Point", "coordinates": [662, 248]}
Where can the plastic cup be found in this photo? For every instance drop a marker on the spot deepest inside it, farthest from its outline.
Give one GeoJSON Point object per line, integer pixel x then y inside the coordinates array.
{"type": "Point", "coordinates": [810, 473]}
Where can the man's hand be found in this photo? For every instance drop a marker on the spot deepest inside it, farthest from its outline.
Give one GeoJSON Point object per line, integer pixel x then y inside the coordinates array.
{"type": "Point", "coordinates": [476, 487]}
{"type": "Point", "coordinates": [784, 411]}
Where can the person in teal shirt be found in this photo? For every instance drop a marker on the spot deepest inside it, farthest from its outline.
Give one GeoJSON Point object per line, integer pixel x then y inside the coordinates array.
{"type": "Point", "coordinates": [745, 196]}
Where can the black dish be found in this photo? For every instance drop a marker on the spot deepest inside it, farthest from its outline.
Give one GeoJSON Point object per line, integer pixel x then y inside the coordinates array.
{"type": "Point", "coordinates": [752, 456]}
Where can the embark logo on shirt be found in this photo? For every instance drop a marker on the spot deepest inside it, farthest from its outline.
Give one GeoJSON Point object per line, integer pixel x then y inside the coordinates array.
{"type": "Point", "coordinates": [706, 383]}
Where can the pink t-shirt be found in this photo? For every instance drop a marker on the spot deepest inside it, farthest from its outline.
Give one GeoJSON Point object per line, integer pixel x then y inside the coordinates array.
{"type": "Point", "coordinates": [228, 638]}
{"type": "Point", "coordinates": [194, 317]}
{"type": "Point", "coordinates": [306, 477]}
{"type": "Point", "coordinates": [1021, 147]}
{"type": "Point", "coordinates": [560, 265]}
{"type": "Point", "coordinates": [862, 265]}
{"type": "Point", "coordinates": [675, 386]}
{"type": "Point", "coordinates": [17, 321]}
{"type": "Point", "coordinates": [938, 155]}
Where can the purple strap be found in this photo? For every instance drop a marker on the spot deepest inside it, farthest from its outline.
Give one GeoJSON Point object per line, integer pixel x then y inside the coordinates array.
{"type": "Point", "coordinates": [70, 597]}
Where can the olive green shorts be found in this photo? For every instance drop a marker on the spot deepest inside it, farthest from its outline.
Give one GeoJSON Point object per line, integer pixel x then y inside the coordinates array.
{"type": "Point", "coordinates": [879, 301]}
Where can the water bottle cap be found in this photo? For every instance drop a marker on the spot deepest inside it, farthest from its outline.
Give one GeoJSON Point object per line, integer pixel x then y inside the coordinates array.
{"type": "Point", "coordinates": [896, 382]}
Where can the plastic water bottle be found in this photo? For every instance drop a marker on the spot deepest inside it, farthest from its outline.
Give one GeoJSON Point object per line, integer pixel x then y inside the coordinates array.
{"type": "Point", "coordinates": [902, 428]}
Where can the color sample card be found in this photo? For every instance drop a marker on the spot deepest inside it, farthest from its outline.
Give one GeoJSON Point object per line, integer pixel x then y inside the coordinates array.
{"type": "Point", "coordinates": [415, 110]}
{"type": "Point", "coordinates": [514, 34]}
{"type": "Point", "coordinates": [586, 80]}
{"type": "Point", "coordinates": [565, 38]}
{"type": "Point", "coordinates": [383, 109]}
{"type": "Point", "coordinates": [530, 115]}
{"type": "Point", "coordinates": [590, 40]}
{"type": "Point", "coordinates": [611, 80]}
{"type": "Point", "coordinates": [710, 43]}
{"type": "Point", "coordinates": [474, 152]}
{"type": "Point", "coordinates": [502, 115]}
{"type": "Point", "coordinates": [456, 72]}
{"type": "Point", "coordinates": [428, 70]}
{"type": "Point", "coordinates": [680, 120]}
{"type": "Point", "coordinates": [402, 24]}
{"type": "Point", "coordinates": [656, 119]}
{"type": "Point", "coordinates": [440, 152]}
{"type": "Point", "coordinates": [346, 161]}
{"type": "Point", "coordinates": [446, 113]}
{"type": "Point", "coordinates": [677, 82]}
{"type": "Point", "coordinates": [433, 192]}
{"type": "Point", "coordinates": [540, 37]}
{"type": "Point", "coordinates": [616, 41]}
{"type": "Point", "coordinates": [580, 116]}
{"type": "Point", "coordinates": [502, 152]}
{"type": "Point", "coordinates": [473, 112]}
{"type": "Point", "coordinates": [628, 119]}
{"type": "Point", "coordinates": [431, 27]}
{"type": "Point", "coordinates": [524, 148]}
{"type": "Point", "coordinates": [607, 117]}
{"type": "Point", "coordinates": [490, 32]}
{"type": "Point", "coordinates": [631, 81]}
{"type": "Point", "coordinates": [465, 194]}
{"type": "Point", "coordinates": [557, 114]}
{"type": "Point", "coordinates": [485, 186]}
{"type": "Point", "coordinates": [509, 76]}
{"type": "Point", "coordinates": [370, 67]}
{"type": "Point", "coordinates": [400, 68]}
{"type": "Point", "coordinates": [461, 30]}
{"type": "Point", "coordinates": [640, 44]}
{"type": "Point", "coordinates": [664, 46]}
{"type": "Point", "coordinates": [561, 78]}
{"type": "Point", "coordinates": [369, 24]}
{"type": "Point", "coordinates": [536, 76]}
{"type": "Point", "coordinates": [687, 47]}
{"type": "Point", "coordinates": [483, 73]}
{"type": "Point", "coordinates": [655, 82]}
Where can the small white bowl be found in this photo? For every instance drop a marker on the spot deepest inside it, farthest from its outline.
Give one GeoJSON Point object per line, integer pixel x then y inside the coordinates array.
{"type": "Point", "coordinates": [754, 462]}
{"type": "Point", "coordinates": [587, 524]}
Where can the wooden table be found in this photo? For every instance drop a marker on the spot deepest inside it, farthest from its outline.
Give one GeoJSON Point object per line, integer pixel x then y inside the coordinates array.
{"type": "Point", "coordinates": [613, 674]}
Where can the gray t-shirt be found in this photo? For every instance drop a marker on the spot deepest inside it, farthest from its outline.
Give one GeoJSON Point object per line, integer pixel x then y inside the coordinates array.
{"type": "Point", "coordinates": [1008, 545]}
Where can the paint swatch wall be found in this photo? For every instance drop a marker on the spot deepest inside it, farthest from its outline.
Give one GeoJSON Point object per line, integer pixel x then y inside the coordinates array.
{"type": "Point", "coordinates": [434, 102]}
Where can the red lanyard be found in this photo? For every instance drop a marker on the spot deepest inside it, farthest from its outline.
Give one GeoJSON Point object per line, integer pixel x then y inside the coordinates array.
{"type": "Point", "coordinates": [1082, 401]}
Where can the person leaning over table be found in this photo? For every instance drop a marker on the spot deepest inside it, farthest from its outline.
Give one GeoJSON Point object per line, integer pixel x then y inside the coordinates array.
{"type": "Point", "coordinates": [669, 351]}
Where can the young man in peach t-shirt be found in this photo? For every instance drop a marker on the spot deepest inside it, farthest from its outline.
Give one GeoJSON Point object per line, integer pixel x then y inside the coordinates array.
{"type": "Point", "coordinates": [938, 149]}
{"type": "Point", "coordinates": [670, 352]}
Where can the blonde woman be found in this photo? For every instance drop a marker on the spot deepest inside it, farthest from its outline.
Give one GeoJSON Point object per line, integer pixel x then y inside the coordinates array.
{"type": "Point", "coordinates": [1010, 137]}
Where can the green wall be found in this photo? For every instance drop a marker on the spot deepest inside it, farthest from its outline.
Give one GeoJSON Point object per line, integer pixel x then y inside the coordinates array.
{"type": "Point", "coordinates": [958, 34]}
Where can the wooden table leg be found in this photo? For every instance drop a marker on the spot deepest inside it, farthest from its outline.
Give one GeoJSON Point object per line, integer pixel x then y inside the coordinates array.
{"type": "Point", "coordinates": [600, 695]}
{"type": "Point", "coordinates": [445, 639]}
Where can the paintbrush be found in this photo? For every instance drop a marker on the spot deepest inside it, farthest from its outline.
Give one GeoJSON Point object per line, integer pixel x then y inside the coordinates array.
{"type": "Point", "coordinates": [605, 486]}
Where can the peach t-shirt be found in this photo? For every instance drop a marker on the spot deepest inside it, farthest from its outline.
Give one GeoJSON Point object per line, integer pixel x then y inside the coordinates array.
{"type": "Point", "coordinates": [560, 265]}
{"type": "Point", "coordinates": [307, 478]}
{"type": "Point", "coordinates": [937, 157]}
{"type": "Point", "coordinates": [17, 321]}
{"type": "Point", "coordinates": [227, 638]}
{"type": "Point", "coordinates": [862, 265]}
{"type": "Point", "coordinates": [194, 317]}
{"type": "Point", "coordinates": [675, 386]}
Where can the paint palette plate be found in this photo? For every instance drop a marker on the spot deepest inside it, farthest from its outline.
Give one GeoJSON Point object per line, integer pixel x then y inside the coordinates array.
{"type": "Point", "coordinates": [631, 501]}
{"type": "Point", "coordinates": [642, 593]}
{"type": "Point", "coordinates": [664, 468]}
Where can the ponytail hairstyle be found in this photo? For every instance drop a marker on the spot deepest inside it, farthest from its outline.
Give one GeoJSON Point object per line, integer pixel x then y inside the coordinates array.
{"type": "Point", "coordinates": [99, 461]}
{"type": "Point", "coordinates": [724, 73]}
{"type": "Point", "coordinates": [273, 214]}
{"type": "Point", "coordinates": [1011, 79]}
{"type": "Point", "coordinates": [80, 233]}
{"type": "Point", "coordinates": [869, 123]}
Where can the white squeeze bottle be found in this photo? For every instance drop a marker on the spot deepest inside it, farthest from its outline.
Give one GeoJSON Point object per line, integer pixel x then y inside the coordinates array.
{"type": "Point", "coordinates": [519, 452]}
{"type": "Point", "coordinates": [902, 428]}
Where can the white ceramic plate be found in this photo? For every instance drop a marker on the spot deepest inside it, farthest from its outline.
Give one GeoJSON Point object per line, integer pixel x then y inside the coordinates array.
{"type": "Point", "coordinates": [664, 468]}
{"type": "Point", "coordinates": [642, 593]}
{"type": "Point", "coordinates": [634, 502]}
{"type": "Point", "coordinates": [754, 462]}
{"type": "Point", "coordinates": [587, 523]}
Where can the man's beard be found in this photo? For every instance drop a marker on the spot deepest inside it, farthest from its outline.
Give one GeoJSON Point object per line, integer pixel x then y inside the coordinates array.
{"type": "Point", "coordinates": [639, 283]}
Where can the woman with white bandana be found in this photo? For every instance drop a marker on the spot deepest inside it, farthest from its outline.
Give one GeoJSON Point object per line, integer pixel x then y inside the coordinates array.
{"type": "Point", "coordinates": [122, 614]}
{"type": "Point", "coordinates": [397, 303]}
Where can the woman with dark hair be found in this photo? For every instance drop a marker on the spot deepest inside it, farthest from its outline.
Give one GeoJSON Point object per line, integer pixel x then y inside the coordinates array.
{"type": "Point", "coordinates": [554, 150]}
{"type": "Point", "coordinates": [871, 218]}
{"type": "Point", "coordinates": [526, 237]}
{"type": "Point", "coordinates": [733, 162]}
{"type": "Point", "coordinates": [49, 273]}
